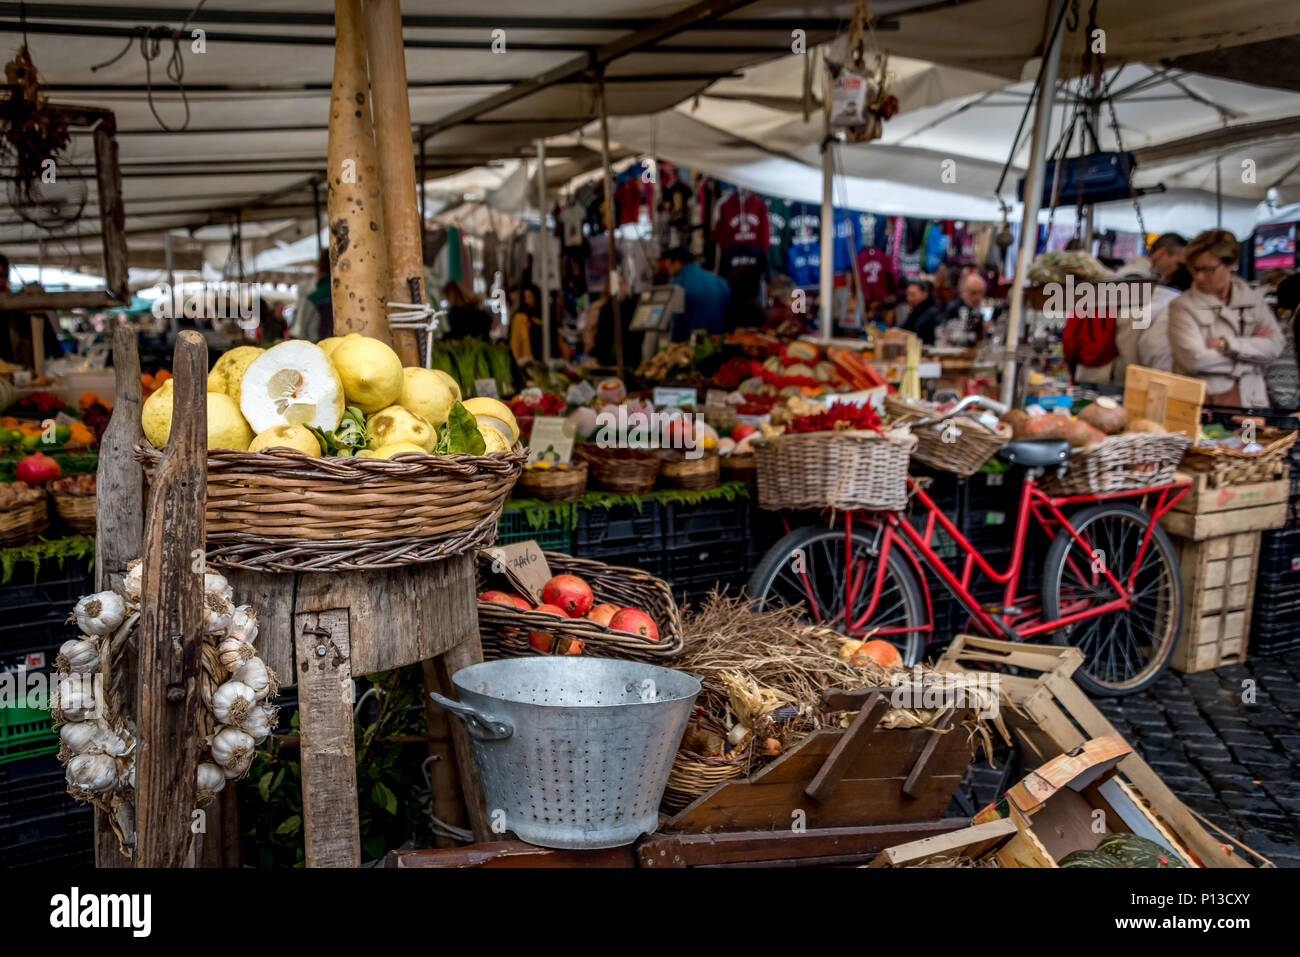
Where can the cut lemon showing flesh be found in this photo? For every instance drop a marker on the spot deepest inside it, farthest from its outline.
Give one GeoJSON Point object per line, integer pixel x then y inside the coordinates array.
{"type": "Point", "coordinates": [292, 384]}
{"type": "Point", "coordinates": [493, 413]}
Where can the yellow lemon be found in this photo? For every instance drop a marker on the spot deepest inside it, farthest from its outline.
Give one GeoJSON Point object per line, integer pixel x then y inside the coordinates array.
{"type": "Point", "coordinates": [396, 424]}
{"type": "Point", "coordinates": [395, 448]}
{"type": "Point", "coordinates": [371, 373]}
{"type": "Point", "coordinates": [292, 384]}
{"type": "Point", "coordinates": [297, 437]}
{"type": "Point", "coordinates": [493, 439]}
{"type": "Point", "coordinates": [226, 427]}
{"type": "Point", "coordinates": [228, 372]}
{"type": "Point", "coordinates": [449, 381]}
{"type": "Point", "coordinates": [424, 393]}
{"type": "Point", "coordinates": [156, 415]}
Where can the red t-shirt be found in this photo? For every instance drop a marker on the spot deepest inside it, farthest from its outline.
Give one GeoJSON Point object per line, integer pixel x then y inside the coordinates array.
{"type": "Point", "coordinates": [1089, 340]}
{"type": "Point", "coordinates": [877, 275]}
{"type": "Point", "coordinates": [743, 224]}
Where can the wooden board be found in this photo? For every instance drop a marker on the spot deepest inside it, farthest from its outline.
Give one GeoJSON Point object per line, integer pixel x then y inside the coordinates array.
{"type": "Point", "coordinates": [331, 825]}
{"type": "Point", "coordinates": [512, 854]}
{"type": "Point", "coordinates": [1174, 401]}
{"type": "Point", "coordinates": [1214, 524]}
{"type": "Point", "coordinates": [970, 842]}
{"type": "Point", "coordinates": [398, 616]}
{"type": "Point", "coordinates": [871, 791]}
{"type": "Point", "coordinates": [1204, 499]}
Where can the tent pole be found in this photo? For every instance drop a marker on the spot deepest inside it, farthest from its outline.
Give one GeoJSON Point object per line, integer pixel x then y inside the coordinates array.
{"type": "Point", "coordinates": [1033, 189]}
{"type": "Point", "coordinates": [612, 283]}
{"type": "Point", "coordinates": [1218, 194]}
{"type": "Point", "coordinates": [825, 293]}
{"type": "Point", "coordinates": [543, 252]}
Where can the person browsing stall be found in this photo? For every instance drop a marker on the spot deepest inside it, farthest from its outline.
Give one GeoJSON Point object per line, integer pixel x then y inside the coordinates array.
{"type": "Point", "coordinates": [1221, 330]}
{"type": "Point", "coordinates": [707, 295]}
{"type": "Point", "coordinates": [923, 314]}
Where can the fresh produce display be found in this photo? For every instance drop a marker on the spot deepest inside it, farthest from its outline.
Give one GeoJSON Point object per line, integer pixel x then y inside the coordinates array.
{"type": "Point", "coordinates": [469, 359]}
{"type": "Point", "coordinates": [37, 469]}
{"type": "Point", "coordinates": [396, 424]}
{"type": "Point", "coordinates": [17, 494]}
{"type": "Point", "coordinates": [1095, 423]}
{"type": "Point", "coordinates": [83, 484]}
{"type": "Point", "coordinates": [570, 596]}
{"type": "Point", "coordinates": [842, 415]}
{"type": "Point", "coordinates": [370, 372]}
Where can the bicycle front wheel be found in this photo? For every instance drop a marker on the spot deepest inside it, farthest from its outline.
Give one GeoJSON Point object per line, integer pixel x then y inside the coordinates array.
{"type": "Point", "coordinates": [809, 566]}
{"type": "Point", "coordinates": [1124, 650]}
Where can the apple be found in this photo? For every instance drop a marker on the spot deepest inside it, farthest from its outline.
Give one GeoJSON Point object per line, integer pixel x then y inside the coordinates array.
{"type": "Point", "coordinates": [570, 593]}
{"type": "Point", "coordinates": [601, 614]}
{"type": "Point", "coordinates": [634, 621]}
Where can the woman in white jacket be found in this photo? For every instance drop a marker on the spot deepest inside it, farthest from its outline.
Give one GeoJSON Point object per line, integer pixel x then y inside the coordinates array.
{"type": "Point", "coordinates": [1221, 330]}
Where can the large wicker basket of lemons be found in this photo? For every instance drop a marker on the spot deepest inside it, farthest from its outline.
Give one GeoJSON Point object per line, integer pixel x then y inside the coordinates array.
{"type": "Point", "coordinates": [334, 457]}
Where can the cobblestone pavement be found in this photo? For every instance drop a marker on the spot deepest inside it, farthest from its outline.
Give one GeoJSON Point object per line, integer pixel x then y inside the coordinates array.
{"type": "Point", "coordinates": [1233, 760]}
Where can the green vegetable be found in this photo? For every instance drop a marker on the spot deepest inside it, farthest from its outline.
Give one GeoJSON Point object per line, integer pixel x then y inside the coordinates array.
{"type": "Point", "coordinates": [347, 438]}
{"type": "Point", "coordinates": [1133, 851]}
{"type": "Point", "coordinates": [1089, 859]}
{"type": "Point", "coordinates": [460, 434]}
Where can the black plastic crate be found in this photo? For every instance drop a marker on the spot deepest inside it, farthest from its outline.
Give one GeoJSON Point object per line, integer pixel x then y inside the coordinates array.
{"type": "Point", "coordinates": [30, 596]}
{"type": "Point", "coordinates": [66, 840]}
{"type": "Point", "coordinates": [1279, 554]}
{"type": "Point", "coordinates": [619, 528]}
{"type": "Point", "coordinates": [693, 572]}
{"type": "Point", "coordinates": [707, 523]}
{"type": "Point", "coordinates": [649, 560]}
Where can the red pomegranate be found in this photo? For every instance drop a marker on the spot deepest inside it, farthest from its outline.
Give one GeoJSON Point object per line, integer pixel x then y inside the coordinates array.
{"type": "Point", "coordinates": [635, 622]}
{"type": "Point", "coordinates": [570, 593]}
{"type": "Point", "coordinates": [601, 614]}
{"type": "Point", "coordinates": [544, 640]}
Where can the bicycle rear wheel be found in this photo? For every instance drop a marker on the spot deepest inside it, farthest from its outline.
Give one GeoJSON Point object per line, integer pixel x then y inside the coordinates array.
{"type": "Point", "coordinates": [809, 566]}
{"type": "Point", "coordinates": [1125, 650]}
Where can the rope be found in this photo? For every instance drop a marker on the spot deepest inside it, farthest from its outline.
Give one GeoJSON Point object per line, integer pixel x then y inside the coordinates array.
{"type": "Point", "coordinates": [422, 317]}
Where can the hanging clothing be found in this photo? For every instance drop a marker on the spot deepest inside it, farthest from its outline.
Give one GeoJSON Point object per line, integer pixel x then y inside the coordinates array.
{"type": "Point", "coordinates": [803, 264]}
{"type": "Point", "coordinates": [744, 268]}
{"type": "Point", "coordinates": [742, 221]}
{"type": "Point", "coordinates": [876, 275]}
{"type": "Point", "coordinates": [571, 219]}
{"type": "Point", "coordinates": [848, 239]}
{"type": "Point", "coordinates": [778, 233]}
{"type": "Point", "coordinates": [597, 262]}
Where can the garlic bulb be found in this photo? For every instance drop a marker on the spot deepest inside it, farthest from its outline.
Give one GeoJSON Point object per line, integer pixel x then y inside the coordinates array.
{"type": "Point", "coordinates": [238, 768]}
{"type": "Point", "coordinates": [126, 773]}
{"type": "Point", "coordinates": [243, 624]}
{"type": "Point", "coordinates": [254, 673]}
{"type": "Point", "coordinates": [101, 613]}
{"type": "Point", "coordinates": [231, 747]}
{"type": "Point", "coordinates": [133, 583]}
{"type": "Point", "coordinates": [257, 725]}
{"type": "Point", "coordinates": [80, 736]}
{"type": "Point", "coordinates": [232, 702]}
{"type": "Point", "coordinates": [111, 743]}
{"type": "Point", "coordinates": [75, 699]}
{"type": "Point", "coordinates": [211, 777]}
{"type": "Point", "coordinates": [217, 610]}
{"type": "Point", "coordinates": [234, 652]}
{"type": "Point", "coordinates": [212, 582]}
{"type": "Point", "coordinates": [94, 772]}
{"type": "Point", "coordinates": [78, 656]}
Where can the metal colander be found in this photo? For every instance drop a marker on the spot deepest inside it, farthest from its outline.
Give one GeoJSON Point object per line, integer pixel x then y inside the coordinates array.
{"type": "Point", "coordinates": [573, 752]}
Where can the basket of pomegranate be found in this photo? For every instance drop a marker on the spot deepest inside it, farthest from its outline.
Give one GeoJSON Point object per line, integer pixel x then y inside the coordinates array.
{"type": "Point", "coordinates": [587, 608]}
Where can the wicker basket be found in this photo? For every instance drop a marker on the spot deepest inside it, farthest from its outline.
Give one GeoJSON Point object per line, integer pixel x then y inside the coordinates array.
{"type": "Point", "coordinates": [21, 524]}
{"type": "Point", "coordinates": [504, 629]}
{"type": "Point", "coordinates": [630, 471]}
{"type": "Point", "coordinates": [1234, 467]}
{"type": "Point", "coordinates": [554, 485]}
{"type": "Point", "coordinates": [77, 510]}
{"type": "Point", "coordinates": [841, 470]}
{"type": "Point", "coordinates": [1119, 463]}
{"type": "Point", "coordinates": [284, 511]}
{"type": "Point", "coordinates": [962, 453]}
{"type": "Point", "coordinates": [678, 471]}
{"type": "Point", "coordinates": [740, 468]}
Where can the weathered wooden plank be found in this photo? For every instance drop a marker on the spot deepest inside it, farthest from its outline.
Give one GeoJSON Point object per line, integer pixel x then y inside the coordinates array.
{"type": "Point", "coordinates": [975, 840]}
{"type": "Point", "coordinates": [919, 777]}
{"type": "Point", "coordinates": [444, 775]}
{"type": "Point", "coordinates": [112, 212]}
{"type": "Point", "coordinates": [331, 825]}
{"type": "Point", "coordinates": [843, 845]}
{"type": "Point", "coordinates": [272, 596]}
{"type": "Point", "coordinates": [847, 748]}
{"type": "Point", "coordinates": [467, 652]}
{"type": "Point", "coordinates": [119, 525]}
{"type": "Point", "coordinates": [171, 632]}
{"type": "Point", "coordinates": [513, 854]}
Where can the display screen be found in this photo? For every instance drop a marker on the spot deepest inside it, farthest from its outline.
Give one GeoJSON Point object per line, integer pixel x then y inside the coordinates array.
{"type": "Point", "coordinates": [1275, 247]}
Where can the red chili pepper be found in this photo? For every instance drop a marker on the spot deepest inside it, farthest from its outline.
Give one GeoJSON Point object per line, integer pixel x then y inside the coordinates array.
{"type": "Point", "coordinates": [861, 417]}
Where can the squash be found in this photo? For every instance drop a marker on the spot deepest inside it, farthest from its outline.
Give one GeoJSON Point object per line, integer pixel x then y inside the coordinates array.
{"type": "Point", "coordinates": [1133, 851]}
{"type": "Point", "coordinates": [1080, 434]}
{"type": "Point", "coordinates": [1088, 859]}
{"type": "Point", "coordinates": [1147, 426]}
{"type": "Point", "coordinates": [1016, 418]}
{"type": "Point", "coordinates": [881, 652]}
{"type": "Point", "coordinates": [1046, 426]}
{"type": "Point", "coordinates": [1105, 415]}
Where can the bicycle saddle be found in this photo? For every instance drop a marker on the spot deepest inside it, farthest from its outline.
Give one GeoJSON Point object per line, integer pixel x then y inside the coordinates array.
{"type": "Point", "coordinates": [1036, 453]}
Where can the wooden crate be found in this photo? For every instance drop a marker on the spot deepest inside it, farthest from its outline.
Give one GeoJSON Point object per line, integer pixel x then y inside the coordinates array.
{"type": "Point", "coordinates": [1049, 715]}
{"type": "Point", "coordinates": [1206, 512]}
{"type": "Point", "coordinates": [1218, 589]}
{"type": "Point", "coordinates": [1174, 401]}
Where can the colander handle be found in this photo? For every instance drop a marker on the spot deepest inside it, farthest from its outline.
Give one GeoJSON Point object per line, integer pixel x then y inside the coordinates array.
{"type": "Point", "coordinates": [482, 726]}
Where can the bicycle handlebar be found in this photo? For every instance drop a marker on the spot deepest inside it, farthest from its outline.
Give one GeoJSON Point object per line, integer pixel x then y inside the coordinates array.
{"type": "Point", "coordinates": [992, 405]}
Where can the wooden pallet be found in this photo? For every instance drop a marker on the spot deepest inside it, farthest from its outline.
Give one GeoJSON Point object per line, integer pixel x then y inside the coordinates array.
{"type": "Point", "coordinates": [1049, 715]}
{"type": "Point", "coordinates": [1207, 512]}
{"type": "Point", "coordinates": [1218, 591]}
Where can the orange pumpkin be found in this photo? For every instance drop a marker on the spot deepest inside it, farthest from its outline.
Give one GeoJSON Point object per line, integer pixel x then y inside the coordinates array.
{"type": "Point", "coordinates": [881, 652]}
{"type": "Point", "coordinates": [86, 400]}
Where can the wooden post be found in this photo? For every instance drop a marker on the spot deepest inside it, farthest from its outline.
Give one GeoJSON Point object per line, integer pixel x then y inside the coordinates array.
{"type": "Point", "coordinates": [358, 258]}
{"type": "Point", "coordinates": [112, 212]}
{"type": "Point", "coordinates": [119, 522]}
{"type": "Point", "coordinates": [171, 623]}
{"type": "Point", "coordinates": [614, 286]}
{"type": "Point", "coordinates": [404, 234]}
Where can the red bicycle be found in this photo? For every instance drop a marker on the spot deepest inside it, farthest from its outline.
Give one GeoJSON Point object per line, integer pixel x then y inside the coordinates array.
{"type": "Point", "coordinates": [1111, 584]}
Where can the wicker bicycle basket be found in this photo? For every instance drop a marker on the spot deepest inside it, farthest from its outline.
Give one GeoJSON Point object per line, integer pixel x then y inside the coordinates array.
{"type": "Point", "coordinates": [553, 484]}
{"type": "Point", "coordinates": [740, 468]}
{"type": "Point", "coordinates": [958, 445]}
{"type": "Point", "coordinates": [504, 629]}
{"type": "Point", "coordinates": [1120, 463]}
{"type": "Point", "coordinates": [841, 470]}
{"type": "Point", "coordinates": [284, 511]}
{"type": "Point", "coordinates": [1235, 467]}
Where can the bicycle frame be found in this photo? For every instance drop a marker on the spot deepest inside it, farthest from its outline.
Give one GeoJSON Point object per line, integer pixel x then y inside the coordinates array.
{"type": "Point", "coordinates": [894, 530]}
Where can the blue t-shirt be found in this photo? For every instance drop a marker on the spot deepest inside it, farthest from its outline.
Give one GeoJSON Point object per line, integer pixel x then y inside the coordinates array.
{"type": "Point", "coordinates": [707, 298]}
